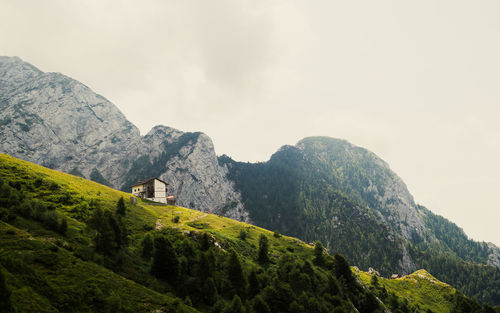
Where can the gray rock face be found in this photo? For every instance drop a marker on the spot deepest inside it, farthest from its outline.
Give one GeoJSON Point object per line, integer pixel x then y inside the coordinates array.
{"type": "Point", "coordinates": [362, 174]}
{"type": "Point", "coordinates": [53, 120]}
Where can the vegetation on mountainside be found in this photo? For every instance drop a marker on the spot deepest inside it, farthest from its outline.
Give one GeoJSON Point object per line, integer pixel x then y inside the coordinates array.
{"type": "Point", "coordinates": [108, 262]}
{"type": "Point", "coordinates": [320, 191]}
{"type": "Point", "coordinates": [421, 292]}
{"type": "Point", "coordinates": [284, 194]}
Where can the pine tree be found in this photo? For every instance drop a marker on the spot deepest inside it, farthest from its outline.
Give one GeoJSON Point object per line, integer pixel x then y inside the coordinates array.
{"type": "Point", "coordinates": [104, 238]}
{"type": "Point", "coordinates": [120, 207]}
{"type": "Point", "coordinates": [253, 284]}
{"type": "Point", "coordinates": [147, 247]}
{"type": "Point", "coordinates": [260, 306]}
{"type": "Point", "coordinates": [5, 304]}
{"type": "Point", "coordinates": [235, 274]}
{"type": "Point", "coordinates": [342, 269]}
{"type": "Point", "coordinates": [63, 225]}
{"type": "Point", "coordinates": [319, 257]}
{"type": "Point", "coordinates": [204, 270]}
{"type": "Point", "coordinates": [263, 256]}
{"type": "Point", "coordinates": [205, 242]}
{"type": "Point", "coordinates": [165, 263]}
{"type": "Point", "coordinates": [210, 291]}
{"type": "Point", "coordinates": [235, 307]}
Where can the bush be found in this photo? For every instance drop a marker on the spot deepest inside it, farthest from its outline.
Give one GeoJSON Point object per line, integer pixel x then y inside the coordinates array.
{"type": "Point", "coordinates": [50, 219]}
{"type": "Point", "coordinates": [277, 234]}
{"type": "Point", "coordinates": [176, 219]}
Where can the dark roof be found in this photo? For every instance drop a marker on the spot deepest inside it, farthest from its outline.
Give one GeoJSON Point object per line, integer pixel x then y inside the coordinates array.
{"type": "Point", "coordinates": [147, 181]}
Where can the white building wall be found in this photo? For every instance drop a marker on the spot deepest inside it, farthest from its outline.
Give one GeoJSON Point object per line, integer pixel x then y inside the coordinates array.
{"type": "Point", "coordinates": [160, 193]}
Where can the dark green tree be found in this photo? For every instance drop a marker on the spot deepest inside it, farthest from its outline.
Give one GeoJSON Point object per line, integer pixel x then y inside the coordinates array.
{"type": "Point", "coordinates": [104, 238]}
{"type": "Point", "coordinates": [342, 269]}
{"type": "Point", "coordinates": [204, 270]}
{"type": "Point", "coordinates": [147, 247]}
{"type": "Point", "coordinates": [263, 255]}
{"type": "Point", "coordinates": [5, 304]}
{"type": "Point", "coordinates": [260, 306]}
{"type": "Point", "coordinates": [205, 242]}
{"type": "Point", "coordinates": [319, 257]}
{"type": "Point", "coordinates": [165, 262]}
{"type": "Point", "coordinates": [209, 291]}
{"type": "Point", "coordinates": [235, 274]}
{"type": "Point", "coordinates": [235, 307]}
{"type": "Point", "coordinates": [120, 207]}
{"type": "Point", "coordinates": [63, 225]}
{"type": "Point", "coordinates": [253, 284]}
{"type": "Point", "coordinates": [243, 235]}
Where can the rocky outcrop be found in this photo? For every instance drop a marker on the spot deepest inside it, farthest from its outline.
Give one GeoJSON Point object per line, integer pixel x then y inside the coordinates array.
{"type": "Point", "coordinates": [53, 120]}
{"type": "Point", "coordinates": [361, 174]}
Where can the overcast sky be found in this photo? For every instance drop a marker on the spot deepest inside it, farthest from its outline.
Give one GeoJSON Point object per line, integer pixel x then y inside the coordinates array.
{"type": "Point", "coordinates": [416, 82]}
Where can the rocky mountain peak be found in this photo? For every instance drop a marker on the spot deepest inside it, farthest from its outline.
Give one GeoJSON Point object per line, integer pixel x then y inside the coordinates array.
{"type": "Point", "coordinates": [362, 174]}
{"type": "Point", "coordinates": [56, 121]}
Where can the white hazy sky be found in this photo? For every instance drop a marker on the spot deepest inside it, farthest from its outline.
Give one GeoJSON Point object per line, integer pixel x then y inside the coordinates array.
{"type": "Point", "coordinates": [416, 82]}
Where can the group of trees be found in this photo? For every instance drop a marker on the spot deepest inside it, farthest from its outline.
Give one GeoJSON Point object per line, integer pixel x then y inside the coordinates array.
{"type": "Point", "coordinates": [13, 202]}
{"type": "Point", "coordinates": [312, 196]}
{"type": "Point", "coordinates": [286, 194]}
{"type": "Point", "coordinates": [206, 275]}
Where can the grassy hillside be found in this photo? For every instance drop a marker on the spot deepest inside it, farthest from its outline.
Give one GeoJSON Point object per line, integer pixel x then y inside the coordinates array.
{"type": "Point", "coordinates": [420, 289]}
{"type": "Point", "coordinates": [64, 248]}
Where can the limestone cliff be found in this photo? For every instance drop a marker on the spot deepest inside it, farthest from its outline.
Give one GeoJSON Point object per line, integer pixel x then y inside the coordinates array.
{"type": "Point", "coordinates": [56, 121]}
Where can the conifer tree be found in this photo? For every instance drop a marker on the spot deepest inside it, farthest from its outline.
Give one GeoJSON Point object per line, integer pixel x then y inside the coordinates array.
{"type": "Point", "coordinates": [210, 291]}
{"type": "Point", "coordinates": [165, 263]}
{"type": "Point", "coordinates": [120, 207]}
{"type": "Point", "coordinates": [204, 270]}
{"type": "Point", "coordinates": [263, 256]}
{"type": "Point", "coordinates": [235, 274]}
{"type": "Point", "coordinates": [319, 257]}
{"type": "Point", "coordinates": [5, 304]}
{"type": "Point", "coordinates": [342, 269]}
{"type": "Point", "coordinates": [63, 225]}
{"type": "Point", "coordinates": [236, 306]}
{"type": "Point", "coordinates": [260, 306]}
{"type": "Point", "coordinates": [205, 242]}
{"type": "Point", "coordinates": [147, 247]}
{"type": "Point", "coordinates": [253, 284]}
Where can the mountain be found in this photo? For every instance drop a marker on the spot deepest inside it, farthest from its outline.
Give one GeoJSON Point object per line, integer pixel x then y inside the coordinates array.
{"type": "Point", "coordinates": [67, 248]}
{"type": "Point", "coordinates": [330, 190]}
{"type": "Point", "coordinates": [320, 189]}
{"type": "Point", "coordinates": [56, 121]}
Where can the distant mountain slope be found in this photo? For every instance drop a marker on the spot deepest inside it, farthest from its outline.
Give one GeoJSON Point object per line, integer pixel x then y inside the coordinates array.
{"type": "Point", "coordinates": [106, 261]}
{"type": "Point", "coordinates": [329, 189]}
{"type": "Point", "coordinates": [58, 122]}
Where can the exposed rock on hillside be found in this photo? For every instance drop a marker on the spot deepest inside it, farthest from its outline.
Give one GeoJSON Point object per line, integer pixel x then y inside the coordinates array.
{"type": "Point", "coordinates": [53, 120]}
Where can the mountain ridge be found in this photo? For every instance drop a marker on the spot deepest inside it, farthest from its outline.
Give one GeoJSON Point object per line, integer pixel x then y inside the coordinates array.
{"type": "Point", "coordinates": [54, 120]}
{"type": "Point", "coordinates": [321, 188]}
{"type": "Point", "coordinates": [50, 268]}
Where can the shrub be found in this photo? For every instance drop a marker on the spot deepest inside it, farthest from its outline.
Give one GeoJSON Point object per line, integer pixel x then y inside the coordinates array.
{"type": "Point", "coordinates": [51, 220]}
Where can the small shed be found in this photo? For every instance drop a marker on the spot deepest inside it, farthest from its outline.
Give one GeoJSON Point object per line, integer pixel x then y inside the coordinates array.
{"type": "Point", "coordinates": [171, 200]}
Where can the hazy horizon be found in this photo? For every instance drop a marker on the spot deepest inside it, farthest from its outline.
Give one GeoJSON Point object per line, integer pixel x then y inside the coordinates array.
{"type": "Point", "coordinates": [416, 83]}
